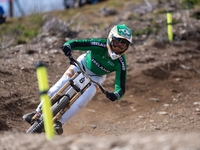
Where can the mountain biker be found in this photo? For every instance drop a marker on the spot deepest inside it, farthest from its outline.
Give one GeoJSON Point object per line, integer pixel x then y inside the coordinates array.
{"type": "Point", "coordinates": [103, 56]}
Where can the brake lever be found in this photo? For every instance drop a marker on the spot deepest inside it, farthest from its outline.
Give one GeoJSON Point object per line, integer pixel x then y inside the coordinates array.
{"type": "Point", "coordinates": [71, 60]}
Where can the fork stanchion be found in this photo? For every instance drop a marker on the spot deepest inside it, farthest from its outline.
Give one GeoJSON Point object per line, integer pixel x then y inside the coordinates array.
{"type": "Point", "coordinates": [43, 88]}
{"type": "Point", "coordinates": [169, 26]}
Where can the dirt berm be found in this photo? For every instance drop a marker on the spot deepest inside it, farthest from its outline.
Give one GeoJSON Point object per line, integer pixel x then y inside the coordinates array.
{"type": "Point", "coordinates": [20, 141]}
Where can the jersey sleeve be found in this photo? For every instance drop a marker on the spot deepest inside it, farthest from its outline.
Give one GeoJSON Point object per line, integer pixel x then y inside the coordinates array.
{"type": "Point", "coordinates": [120, 78]}
{"type": "Point", "coordinates": [84, 45]}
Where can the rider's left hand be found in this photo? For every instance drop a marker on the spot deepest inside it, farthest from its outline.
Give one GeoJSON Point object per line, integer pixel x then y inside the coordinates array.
{"type": "Point", "coordinates": [112, 96]}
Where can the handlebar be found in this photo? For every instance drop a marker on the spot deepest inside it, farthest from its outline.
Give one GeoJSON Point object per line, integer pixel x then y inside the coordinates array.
{"type": "Point", "coordinates": [75, 62]}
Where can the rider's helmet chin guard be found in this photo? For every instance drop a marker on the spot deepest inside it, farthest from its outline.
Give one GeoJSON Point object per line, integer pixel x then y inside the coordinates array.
{"type": "Point", "coordinates": [118, 41]}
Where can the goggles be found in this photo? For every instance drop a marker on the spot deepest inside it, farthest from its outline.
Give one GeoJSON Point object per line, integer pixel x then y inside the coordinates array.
{"type": "Point", "coordinates": [119, 46]}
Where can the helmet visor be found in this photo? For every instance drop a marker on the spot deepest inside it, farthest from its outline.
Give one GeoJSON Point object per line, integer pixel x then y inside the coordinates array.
{"type": "Point", "coordinates": [119, 46]}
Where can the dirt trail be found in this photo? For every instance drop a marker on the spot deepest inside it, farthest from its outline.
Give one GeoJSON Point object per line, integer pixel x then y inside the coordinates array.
{"type": "Point", "coordinates": [160, 98]}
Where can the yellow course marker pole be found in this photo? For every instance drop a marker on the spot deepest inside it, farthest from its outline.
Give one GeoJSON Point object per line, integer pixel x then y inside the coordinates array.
{"type": "Point", "coordinates": [43, 88]}
{"type": "Point", "coordinates": [169, 26]}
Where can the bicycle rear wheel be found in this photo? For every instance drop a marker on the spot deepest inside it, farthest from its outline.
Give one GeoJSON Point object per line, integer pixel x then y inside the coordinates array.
{"type": "Point", "coordinates": [38, 125]}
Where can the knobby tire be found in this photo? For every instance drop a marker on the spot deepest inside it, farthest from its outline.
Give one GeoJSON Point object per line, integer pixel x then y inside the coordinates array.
{"type": "Point", "coordinates": [38, 125]}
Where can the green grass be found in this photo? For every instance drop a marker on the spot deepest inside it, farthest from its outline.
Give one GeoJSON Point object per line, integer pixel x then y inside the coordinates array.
{"type": "Point", "coordinates": [21, 29]}
{"type": "Point", "coordinates": [188, 4]}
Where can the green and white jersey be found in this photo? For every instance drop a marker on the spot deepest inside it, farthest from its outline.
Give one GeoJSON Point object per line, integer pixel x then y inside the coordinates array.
{"type": "Point", "coordinates": [99, 63]}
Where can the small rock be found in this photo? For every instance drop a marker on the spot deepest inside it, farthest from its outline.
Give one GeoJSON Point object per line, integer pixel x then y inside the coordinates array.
{"type": "Point", "coordinates": [196, 103]}
{"type": "Point", "coordinates": [107, 11]}
{"type": "Point", "coordinates": [133, 109]}
{"type": "Point", "coordinates": [22, 68]}
{"type": "Point", "coordinates": [157, 128]}
{"type": "Point", "coordinates": [155, 99]}
{"type": "Point", "coordinates": [141, 117]}
{"type": "Point", "coordinates": [166, 121]}
{"type": "Point", "coordinates": [93, 126]}
{"type": "Point", "coordinates": [198, 109]}
{"type": "Point", "coordinates": [184, 67]}
{"type": "Point", "coordinates": [179, 95]}
{"type": "Point", "coordinates": [127, 16]}
{"type": "Point", "coordinates": [54, 51]}
{"type": "Point", "coordinates": [191, 118]}
{"type": "Point", "coordinates": [178, 79]}
{"type": "Point", "coordinates": [175, 100]}
{"type": "Point", "coordinates": [163, 113]}
{"type": "Point", "coordinates": [91, 110]}
{"type": "Point", "coordinates": [166, 105]}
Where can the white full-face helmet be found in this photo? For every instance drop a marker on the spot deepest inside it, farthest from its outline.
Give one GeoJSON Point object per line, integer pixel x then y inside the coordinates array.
{"type": "Point", "coordinates": [118, 41]}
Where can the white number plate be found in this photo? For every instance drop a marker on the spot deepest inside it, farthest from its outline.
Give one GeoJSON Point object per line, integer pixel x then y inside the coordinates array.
{"type": "Point", "coordinates": [81, 81]}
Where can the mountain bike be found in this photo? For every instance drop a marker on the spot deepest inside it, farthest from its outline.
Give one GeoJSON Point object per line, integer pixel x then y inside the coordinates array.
{"type": "Point", "coordinates": [61, 101]}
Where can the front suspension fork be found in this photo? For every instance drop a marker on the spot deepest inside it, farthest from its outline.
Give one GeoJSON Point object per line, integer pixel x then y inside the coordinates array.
{"type": "Point", "coordinates": [55, 97]}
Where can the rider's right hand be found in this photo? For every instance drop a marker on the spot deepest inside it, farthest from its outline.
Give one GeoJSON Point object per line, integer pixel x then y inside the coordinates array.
{"type": "Point", "coordinates": [66, 49]}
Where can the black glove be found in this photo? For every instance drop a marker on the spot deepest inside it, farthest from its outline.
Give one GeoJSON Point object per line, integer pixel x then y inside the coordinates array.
{"type": "Point", "coordinates": [112, 96]}
{"type": "Point", "coordinates": [66, 49]}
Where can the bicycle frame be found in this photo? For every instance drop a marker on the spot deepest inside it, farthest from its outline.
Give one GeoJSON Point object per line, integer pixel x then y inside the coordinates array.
{"type": "Point", "coordinates": [78, 83]}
